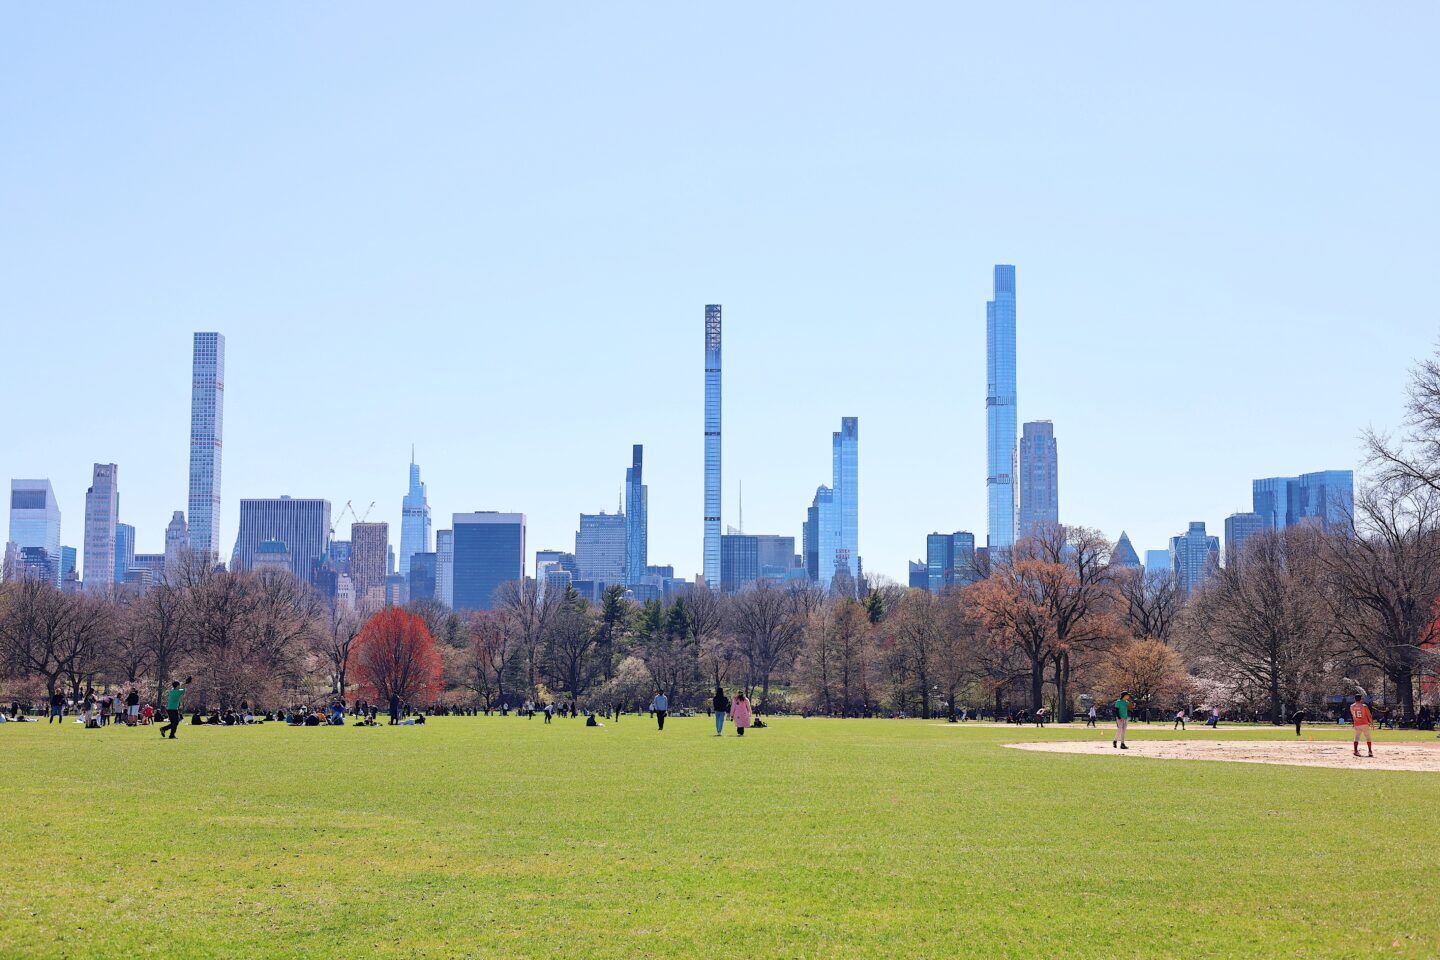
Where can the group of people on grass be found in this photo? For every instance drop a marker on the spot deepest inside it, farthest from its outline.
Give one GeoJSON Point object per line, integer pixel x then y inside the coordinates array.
{"type": "Point", "coordinates": [738, 710]}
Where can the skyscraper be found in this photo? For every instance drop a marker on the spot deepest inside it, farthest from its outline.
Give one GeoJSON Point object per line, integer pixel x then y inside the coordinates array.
{"type": "Point", "coordinates": [303, 526]}
{"type": "Point", "coordinates": [207, 414]}
{"type": "Point", "coordinates": [422, 576]}
{"type": "Point", "coordinates": [600, 547]}
{"type": "Point", "coordinates": [845, 456]}
{"type": "Point", "coordinates": [1000, 412]}
{"type": "Point", "coordinates": [445, 567]}
{"type": "Point", "coordinates": [102, 505]}
{"type": "Point", "coordinates": [177, 539]}
{"type": "Point", "coordinates": [414, 520]}
{"type": "Point", "coordinates": [1194, 555]}
{"type": "Point", "coordinates": [1158, 563]}
{"type": "Point", "coordinates": [949, 560]}
{"type": "Point", "coordinates": [489, 550]}
{"type": "Point", "coordinates": [1039, 479]}
{"type": "Point", "coordinates": [1325, 499]}
{"type": "Point", "coordinates": [710, 567]}
{"type": "Point", "coordinates": [369, 547]}
{"type": "Point", "coordinates": [637, 513]}
{"type": "Point", "coordinates": [1240, 527]}
{"type": "Point", "coordinates": [739, 561]}
{"type": "Point", "coordinates": [35, 519]}
{"type": "Point", "coordinates": [818, 536]}
{"type": "Point", "coordinates": [124, 550]}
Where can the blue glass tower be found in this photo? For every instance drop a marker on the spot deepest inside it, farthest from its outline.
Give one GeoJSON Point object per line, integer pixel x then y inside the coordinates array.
{"type": "Point", "coordinates": [414, 520]}
{"type": "Point", "coordinates": [637, 523]}
{"type": "Point", "coordinates": [1000, 411]}
{"type": "Point", "coordinates": [710, 567]}
{"type": "Point", "coordinates": [845, 454]}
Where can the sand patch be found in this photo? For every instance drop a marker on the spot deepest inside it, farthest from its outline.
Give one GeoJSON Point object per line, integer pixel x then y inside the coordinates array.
{"type": "Point", "coordinates": [1320, 753]}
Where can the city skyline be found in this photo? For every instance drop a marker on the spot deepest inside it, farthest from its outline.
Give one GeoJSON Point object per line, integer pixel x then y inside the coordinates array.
{"type": "Point", "coordinates": [1209, 237]}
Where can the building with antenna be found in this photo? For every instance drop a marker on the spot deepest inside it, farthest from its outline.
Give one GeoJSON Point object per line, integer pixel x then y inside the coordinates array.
{"type": "Point", "coordinates": [414, 520]}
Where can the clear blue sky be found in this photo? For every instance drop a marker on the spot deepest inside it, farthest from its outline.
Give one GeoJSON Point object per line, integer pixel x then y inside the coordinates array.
{"type": "Point", "coordinates": [490, 230]}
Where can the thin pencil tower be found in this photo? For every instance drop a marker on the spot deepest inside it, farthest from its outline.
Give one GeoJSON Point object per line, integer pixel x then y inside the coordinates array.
{"type": "Point", "coordinates": [710, 568]}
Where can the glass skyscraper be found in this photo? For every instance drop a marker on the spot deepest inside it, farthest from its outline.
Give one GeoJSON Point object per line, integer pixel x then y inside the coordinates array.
{"type": "Point", "coordinates": [1039, 479]}
{"type": "Point", "coordinates": [414, 520]}
{"type": "Point", "coordinates": [739, 561]}
{"type": "Point", "coordinates": [1325, 498]}
{"type": "Point", "coordinates": [102, 505]}
{"type": "Point", "coordinates": [710, 566]}
{"type": "Point", "coordinates": [637, 522]}
{"type": "Point", "coordinates": [124, 550]}
{"type": "Point", "coordinates": [35, 520]}
{"type": "Point", "coordinates": [949, 560]}
{"type": "Point", "coordinates": [207, 414]}
{"type": "Point", "coordinates": [1240, 527]}
{"type": "Point", "coordinates": [1194, 555]}
{"type": "Point", "coordinates": [1000, 411]}
{"type": "Point", "coordinates": [489, 549]}
{"type": "Point", "coordinates": [845, 456]}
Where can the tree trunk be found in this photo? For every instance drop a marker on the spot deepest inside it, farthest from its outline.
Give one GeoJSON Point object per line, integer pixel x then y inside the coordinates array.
{"type": "Point", "coordinates": [1063, 713]}
{"type": "Point", "coordinates": [1037, 683]}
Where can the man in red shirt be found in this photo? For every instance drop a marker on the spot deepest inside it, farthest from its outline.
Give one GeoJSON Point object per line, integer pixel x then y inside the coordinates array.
{"type": "Point", "coordinates": [1360, 719]}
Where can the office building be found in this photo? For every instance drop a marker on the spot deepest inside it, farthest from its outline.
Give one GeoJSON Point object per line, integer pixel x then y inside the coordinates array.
{"type": "Point", "coordinates": [1240, 527]}
{"type": "Point", "coordinates": [102, 506]}
{"type": "Point", "coordinates": [739, 561]}
{"type": "Point", "coordinates": [339, 556]}
{"type": "Point", "coordinates": [69, 565]}
{"type": "Point", "coordinates": [919, 575]}
{"type": "Point", "coordinates": [35, 519]}
{"type": "Point", "coordinates": [637, 513]}
{"type": "Point", "coordinates": [207, 416]}
{"type": "Point", "coordinates": [124, 550]}
{"type": "Point", "coordinates": [710, 565]}
{"type": "Point", "coordinates": [414, 520]}
{"type": "Point", "coordinates": [817, 536]}
{"type": "Point", "coordinates": [1194, 555]}
{"type": "Point", "coordinates": [949, 560]}
{"type": "Point", "coordinates": [600, 548]}
{"type": "Point", "coordinates": [303, 526]}
{"type": "Point", "coordinates": [1000, 419]}
{"type": "Point", "coordinates": [177, 542]}
{"type": "Point", "coordinates": [1325, 499]}
{"type": "Point", "coordinates": [1039, 474]}
{"type": "Point", "coordinates": [1124, 556]}
{"type": "Point", "coordinates": [775, 555]}
{"type": "Point", "coordinates": [1158, 563]}
{"type": "Point", "coordinates": [151, 567]}
{"type": "Point", "coordinates": [489, 550]}
{"type": "Point", "coordinates": [369, 556]}
{"type": "Point", "coordinates": [422, 576]}
{"type": "Point", "coordinates": [445, 567]}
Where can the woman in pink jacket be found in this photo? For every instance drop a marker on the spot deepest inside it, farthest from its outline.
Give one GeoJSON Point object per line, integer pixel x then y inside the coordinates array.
{"type": "Point", "coordinates": [740, 713]}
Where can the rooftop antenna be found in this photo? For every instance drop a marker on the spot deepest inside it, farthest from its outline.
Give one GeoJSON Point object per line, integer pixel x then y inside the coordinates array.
{"type": "Point", "coordinates": [742, 506]}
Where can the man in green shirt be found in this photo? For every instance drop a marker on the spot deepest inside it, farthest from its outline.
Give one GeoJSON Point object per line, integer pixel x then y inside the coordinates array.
{"type": "Point", "coordinates": [172, 707]}
{"type": "Point", "coordinates": [1122, 720]}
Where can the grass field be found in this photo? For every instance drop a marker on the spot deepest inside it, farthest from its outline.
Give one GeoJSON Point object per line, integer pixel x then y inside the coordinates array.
{"type": "Point", "coordinates": [490, 837]}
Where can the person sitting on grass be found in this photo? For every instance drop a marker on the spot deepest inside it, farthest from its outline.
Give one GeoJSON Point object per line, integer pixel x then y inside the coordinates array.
{"type": "Point", "coordinates": [590, 720]}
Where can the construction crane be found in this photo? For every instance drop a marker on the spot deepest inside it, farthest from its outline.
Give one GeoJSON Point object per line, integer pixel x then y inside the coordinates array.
{"type": "Point", "coordinates": [349, 507]}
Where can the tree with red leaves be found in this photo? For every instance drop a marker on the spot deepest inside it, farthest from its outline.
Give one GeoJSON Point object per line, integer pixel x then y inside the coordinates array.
{"type": "Point", "coordinates": [396, 656]}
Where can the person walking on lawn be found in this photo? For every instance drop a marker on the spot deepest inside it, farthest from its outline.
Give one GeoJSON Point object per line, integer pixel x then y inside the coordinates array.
{"type": "Point", "coordinates": [172, 707]}
{"type": "Point", "coordinates": [740, 713]}
{"type": "Point", "coordinates": [660, 706]}
{"type": "Point", "coordinates": [721, 706]}
{"type": "Point", "coordinates": [1122, 720]}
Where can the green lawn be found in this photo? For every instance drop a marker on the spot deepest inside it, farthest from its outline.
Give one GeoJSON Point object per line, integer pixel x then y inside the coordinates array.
{"type": "Point", "coordinates": [490, 837]}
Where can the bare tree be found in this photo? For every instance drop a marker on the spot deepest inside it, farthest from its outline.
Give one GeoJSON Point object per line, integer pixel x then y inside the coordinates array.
{"type": "Point", "coordinates": [570, 649]}
{"type": "Point", "coordinates": [1412, 458]}
{"type": "Point", "coordinates": [527, 617]}
{"type": "Point", "coordinates": [1261, 622]}
{"type": "Point", "coordinates": [53, 635]}
{"type": "Point", "coordinates": [917, 630]}
{"type": "Point", "coordinates": [157, 622]}
{"type": "Point", "coordinates": [1383, 581]}
{"type": "Point", "coordinates": [336, 644]}
{"type": "Point", "coordinates": [768, 633]}
{"type": "Point", "coordinates": [1150, 600]}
